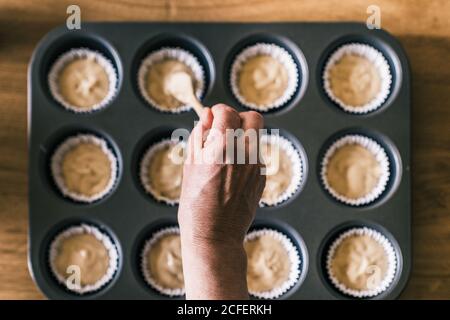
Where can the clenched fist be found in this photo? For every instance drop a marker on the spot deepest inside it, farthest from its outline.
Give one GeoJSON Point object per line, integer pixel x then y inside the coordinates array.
{"type": "Point", "coordinates": [222, 186]}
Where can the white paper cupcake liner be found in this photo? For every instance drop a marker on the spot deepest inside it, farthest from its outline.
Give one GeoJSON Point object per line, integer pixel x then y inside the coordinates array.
{"type": "Point", "coordinates": [380, 155]}
{"type": "Point", "coordinates": [99, 235]}
{"type": "Point", "coordinates": [390, 253]}
{"type": "Point", "coordinates": [81, 53]}
{"type": "Point", "coordinates": [58, 157]}
{"type": "Point", "coordinates": [297, 167]}
{"type": "Point", "coordinates": [171, 53]}
{"type": "Point", "coordinates": [143, 172]}
{"type": "Point", "coordinates": [278, 53]}
{"type": "Point", "coordinates": [294, 257]}
{"type": "Point", "coordinates": [144, 262]}
{"type": "Point", "coordinates": [378, 60]}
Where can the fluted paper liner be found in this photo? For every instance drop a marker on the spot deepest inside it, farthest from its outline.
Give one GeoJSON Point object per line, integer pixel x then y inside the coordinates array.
{"type": "Point", "coordinates": [146, 273]}
{"type": "Point", "coordinates": [67, 145]}
{"type": "Point", "coordinates": [297, 167]}
{"type": "Point", "coordinates": [294, 257]}
{"type": "Point", "coordinates": [390, 253]}
{"type": "Point", "coordinates": [378, 60]}
{"type": "Point", "coordinates": [99, 235]}
{"type": "Point", "coordinates": [171, 53]}
{"type": "Point", "coordinates": [278, 53]}
{"type": "Point", "coordinates": [378, 152]}
{"type": "Point", "coordinates": [81, 53]}
{"type": "Point", "coordinates": [143, 171]}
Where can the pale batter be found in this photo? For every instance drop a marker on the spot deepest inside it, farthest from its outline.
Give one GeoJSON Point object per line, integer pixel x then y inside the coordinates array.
{"type": "Point", "coordinates": [86, 169]}
{"type": "Point", "coordinates": [262, 80]}
{"type": "Point", "coordinates": [83, 83]}
{"type": "Point", "coordinates": [86, 252]}
{"type": "Point", "coordinates": [354, 80]}
{"type": "Point", "coordinates": [164, 174]}
{"type": "Point", "coordinates": [353, 171]}
{"type": "Point", "coordinates": [279, 173]}
{"type": "Point", "coordinates": [268, 263]}
{"type": "Point", "coordinates": [156, 82]}
{"type": "Point", "coordinates": [164, 262]}
{"type": "Point", "coordinates": [360, 263]}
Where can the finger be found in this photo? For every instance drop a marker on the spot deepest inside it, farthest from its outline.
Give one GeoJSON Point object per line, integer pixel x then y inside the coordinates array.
{"type": "Point", "coordinates": [251, 123]}
{"type": "Point", "coordinates": [251, 120]}
{"type": "Point", "coordinates": [225, 117]}
{"type": "Point", "coordinates": [206, 118]}
{"type": "Point", "coordinates": [195, 143]}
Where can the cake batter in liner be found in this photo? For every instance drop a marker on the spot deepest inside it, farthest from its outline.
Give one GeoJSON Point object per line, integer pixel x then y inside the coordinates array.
{"type": "Point", "coordinates": [278, 53]}
{"type": "Point", "coordinates": [67, 145]}
{"type": "Point", "coordinates": [294, 257]}
{"type": "Point", "coordinates": [390, 253]}
{"type": "Point", "coordinates": [297, 176]}
{"type": "Point", "coordinates": [143, 171]}
{"type": "Point", "coordinates": [176, 292]}
{"type": "Point", "coordinates": [380, 155]}
{"type": "Point", "coordinates": [380, 63]}
{"type": "Point", "coordinates": [99, 235]}
{"type": "Point", "coordinates": [81, 53]}
{"type": "Point", "coordinates": [181, 55]}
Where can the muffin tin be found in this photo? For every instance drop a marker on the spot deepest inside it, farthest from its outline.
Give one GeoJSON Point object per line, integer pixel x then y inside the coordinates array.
{"type": "Point", "coordinates": [311, 218]}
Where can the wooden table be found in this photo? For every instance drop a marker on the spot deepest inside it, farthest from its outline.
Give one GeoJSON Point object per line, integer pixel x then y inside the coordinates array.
{"type": "Point", "coordinates": [423, 27]}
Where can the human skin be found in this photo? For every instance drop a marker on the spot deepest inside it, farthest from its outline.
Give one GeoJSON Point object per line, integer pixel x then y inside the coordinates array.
{"type": "Point", "coordinates": [217, 206]}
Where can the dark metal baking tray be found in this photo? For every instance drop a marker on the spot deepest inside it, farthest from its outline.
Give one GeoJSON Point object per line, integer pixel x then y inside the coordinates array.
{"type": "Point", "coordinates": [311, 120]}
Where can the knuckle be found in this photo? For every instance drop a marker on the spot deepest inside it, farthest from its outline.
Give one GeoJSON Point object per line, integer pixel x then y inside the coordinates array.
{"type": "Point", "coordinates": [218, 107]}
{"type": "Point", "coordinates": [256, 115]}
{"type": "Point", "coordinates": [253, 117]}
{"type": "Point", "coordinates": [225, 114]}
{"type": "Point", "coordinates": [222, 108]}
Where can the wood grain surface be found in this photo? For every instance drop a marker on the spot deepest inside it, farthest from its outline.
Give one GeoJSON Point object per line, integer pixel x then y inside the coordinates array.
{"type": "Point", "coordinates": [423, 27]}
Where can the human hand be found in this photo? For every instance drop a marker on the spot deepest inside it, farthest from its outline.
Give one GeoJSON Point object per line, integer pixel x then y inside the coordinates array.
{"type": "Point", "coordinates": [217, 205]}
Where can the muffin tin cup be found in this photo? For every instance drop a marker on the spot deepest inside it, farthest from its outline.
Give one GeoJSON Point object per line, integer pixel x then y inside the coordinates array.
{"type": "Point", "coordinates": [297, 168]}
{"type": "Point", "coordinates": [378, 60]}
{"type": "Point", "coordinates": [279, 54]}
{"type": "Point", "coordinates": [143, 171]}
{"type": "Point", "coordinates": [177, 292]}
{"type": "Point", "coordinates": [99, 235]}
{"type": "Point", "coordinates": [81, 53]}
{"type": "Point", "coordinates": [178, 54]}
{"type": "Point", "coordinates": [390, 253]}
{"type": "Point", "coordinates": [378, 152]}
{"type": "Point", "coordinates": [67, 145]}
{"type": "Point", "coordinates": [294, 259]}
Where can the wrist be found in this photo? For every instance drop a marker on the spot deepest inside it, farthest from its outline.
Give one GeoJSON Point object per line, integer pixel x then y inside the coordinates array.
{"type": "Point", "coordinates": [211, 240]}
{"type": "Point", "coordinates": [214, 269]}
